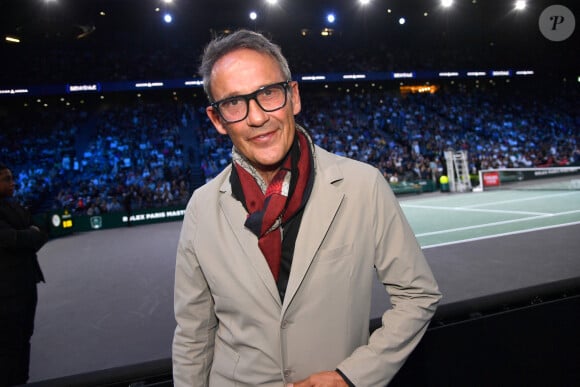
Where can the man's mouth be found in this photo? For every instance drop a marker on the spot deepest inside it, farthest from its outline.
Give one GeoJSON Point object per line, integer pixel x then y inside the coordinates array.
{"type": "Point", "coordinates": [262, 137]}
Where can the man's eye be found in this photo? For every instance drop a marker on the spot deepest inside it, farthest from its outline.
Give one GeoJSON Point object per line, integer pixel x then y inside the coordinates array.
{"type": "Point", "coordinates": [270, 92]}
{"type": "Point", "coordinates": [230, 103]}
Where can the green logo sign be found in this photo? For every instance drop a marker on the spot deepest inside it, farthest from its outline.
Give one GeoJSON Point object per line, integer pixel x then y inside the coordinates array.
{"type": "Point", "coordinates": [96, 222]}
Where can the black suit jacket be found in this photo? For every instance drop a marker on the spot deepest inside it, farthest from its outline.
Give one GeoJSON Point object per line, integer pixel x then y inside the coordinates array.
{"type": "Point", "coordinates": [19, 268]}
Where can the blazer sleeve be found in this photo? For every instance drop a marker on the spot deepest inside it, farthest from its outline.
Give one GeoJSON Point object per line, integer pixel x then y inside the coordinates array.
{"type": "Point", "coordinates": [414, 294]}
{"type": "Point", "coordinates": [194, 336]}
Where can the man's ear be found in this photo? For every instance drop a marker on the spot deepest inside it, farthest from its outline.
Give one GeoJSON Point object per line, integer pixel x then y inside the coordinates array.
{"type": "Point", "coordinates": [295, 95]}
{"type": "Point", "coordinates": [216, 120]}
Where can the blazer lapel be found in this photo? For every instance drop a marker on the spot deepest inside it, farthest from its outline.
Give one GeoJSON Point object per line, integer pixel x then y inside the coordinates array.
{"type": "Point", "coordinates": [317, 219]}
{"type": "Point", "coordinates": [235, 215]}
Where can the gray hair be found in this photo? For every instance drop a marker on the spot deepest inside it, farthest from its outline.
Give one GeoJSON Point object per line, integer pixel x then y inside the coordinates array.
{"type": "Point", "coordinates": [223, 45]}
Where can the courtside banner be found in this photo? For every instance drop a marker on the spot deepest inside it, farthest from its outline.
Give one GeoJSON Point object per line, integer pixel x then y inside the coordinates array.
{"type": "Point", "coordinates": [491, 179]}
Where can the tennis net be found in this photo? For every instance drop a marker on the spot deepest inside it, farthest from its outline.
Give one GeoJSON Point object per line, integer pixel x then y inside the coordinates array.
{"type": "Point", "coordinates": [553, 178]}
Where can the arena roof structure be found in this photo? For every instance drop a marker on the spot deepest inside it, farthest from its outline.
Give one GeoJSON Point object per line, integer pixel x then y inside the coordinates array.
{"type": "Point", "coordinates": [487, 21]}
{"type": "Point", "coordinates": [428, 39]}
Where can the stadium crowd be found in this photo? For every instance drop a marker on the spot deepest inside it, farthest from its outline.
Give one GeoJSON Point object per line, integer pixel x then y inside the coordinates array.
{"type": "Point", "coordinates": [142, 152]}
{"type": "Point", "coordinates": [96, 159]}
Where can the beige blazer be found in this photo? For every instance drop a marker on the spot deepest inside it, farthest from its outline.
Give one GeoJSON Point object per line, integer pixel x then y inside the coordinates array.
{"type": "Point", "coordinates": [232, 328]}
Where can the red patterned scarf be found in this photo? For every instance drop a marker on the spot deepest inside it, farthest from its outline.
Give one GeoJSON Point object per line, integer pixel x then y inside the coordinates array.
{"type": "Point", "coordinates": [286, 194]}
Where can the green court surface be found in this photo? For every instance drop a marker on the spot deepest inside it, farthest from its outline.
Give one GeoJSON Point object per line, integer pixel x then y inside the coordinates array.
{"type": "Point", "coordinates": [439, 220]}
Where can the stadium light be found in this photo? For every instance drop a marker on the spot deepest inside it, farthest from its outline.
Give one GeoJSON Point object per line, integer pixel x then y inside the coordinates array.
{"type": "Point", "coordinates": [50, 3]}
{"type": "Point", "coordinates": [12, 39]}
{"type": "Point", "coordinates": [253, 16]}
{"type": "Point", "coordinates": [167, 18]}
{"type": "Point", "coordinates": [446, 3]}
{"type": "Point", "coordinates": [402, 20]}
{"type": "Point", "coordinates": [364, 2]}
{"type": "Point", "coordinates": [326, 32]}
{"type": "Point", "coordinates": [520, 5]}
{"type": "Point", "coordinates": [330, 18]}
{"type": "Point", "coordinates": [272, 2]}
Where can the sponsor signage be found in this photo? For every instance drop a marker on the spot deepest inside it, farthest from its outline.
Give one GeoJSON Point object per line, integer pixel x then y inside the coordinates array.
{"type": "Point", "coordinates": [159, 215]}
{"type": "Point", "coordinates": [491, 179]}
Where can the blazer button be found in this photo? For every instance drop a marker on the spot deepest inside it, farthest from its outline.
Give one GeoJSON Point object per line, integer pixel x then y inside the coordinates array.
{"type": "Point", "coordinates": [284, 324]}
{"type": "Point", "coordinates": [287, 373]}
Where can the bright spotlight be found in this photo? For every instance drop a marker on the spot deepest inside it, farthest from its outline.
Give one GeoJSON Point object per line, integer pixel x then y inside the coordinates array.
{"type": "Point", "coordinates": [520, 5]}
{"type": "Point", "coordinates": [402, 21]}
{"type": "Point", "coordinates": [253, 15]}
{"type": "Point", "coordinates": [364, 2]}
{"type": "Point", "coordinates": [272, 2]}
{"type": "Point", "coordinates": [167, 18]}
{"type": "Point", "coordinates": [330, 18]}
{"type": "Point", "coordinates": [446, 3]}
{"type": "Point", "coordinates": [12, 39]}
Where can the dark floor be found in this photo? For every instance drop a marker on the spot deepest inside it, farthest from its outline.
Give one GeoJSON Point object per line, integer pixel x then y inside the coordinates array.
{"type": "Point", "coordinates": [108, 301]}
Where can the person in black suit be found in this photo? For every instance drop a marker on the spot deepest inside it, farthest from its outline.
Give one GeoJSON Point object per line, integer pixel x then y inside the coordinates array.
{"type": "Point", "coordinates": [20, 240]}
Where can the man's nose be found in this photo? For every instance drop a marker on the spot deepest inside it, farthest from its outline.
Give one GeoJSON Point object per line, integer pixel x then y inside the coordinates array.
{"type": "Point", "coordinates": [256, 116]}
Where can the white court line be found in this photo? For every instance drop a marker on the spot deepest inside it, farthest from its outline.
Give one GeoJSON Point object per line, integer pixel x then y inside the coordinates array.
{"type": "Point", "coordinates": [524, 199]}
{"type": "Point", "coordinates": [498, 235]}
{"type": "Point", "coordinates": [546, 196]}
{"type": "Point", "coordinates": [469, 209]}
{"type": "Point", "coordinates": [451, 230]}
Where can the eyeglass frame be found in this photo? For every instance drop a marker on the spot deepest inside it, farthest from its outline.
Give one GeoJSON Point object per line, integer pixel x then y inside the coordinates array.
{"type": "Point", "coordinates": [252, 96]}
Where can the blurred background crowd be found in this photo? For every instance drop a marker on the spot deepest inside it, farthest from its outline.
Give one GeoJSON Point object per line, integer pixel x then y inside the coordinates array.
{"type": "Point", "coordinates": [153, 150]}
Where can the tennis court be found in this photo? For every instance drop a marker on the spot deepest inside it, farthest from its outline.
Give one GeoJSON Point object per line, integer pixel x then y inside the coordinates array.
{"type": "Point", "coordinates": [447, 219]}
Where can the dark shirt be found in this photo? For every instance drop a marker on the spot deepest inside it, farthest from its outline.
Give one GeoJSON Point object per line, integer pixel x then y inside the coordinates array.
{"type": "Point", "coordinates": [289, 233]}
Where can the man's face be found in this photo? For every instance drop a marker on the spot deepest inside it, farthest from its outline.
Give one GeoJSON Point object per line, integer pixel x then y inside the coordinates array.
{"type": "Point", "coordinates": [263, 138]}
{"type": "Point", "coordinates": [6, 184]}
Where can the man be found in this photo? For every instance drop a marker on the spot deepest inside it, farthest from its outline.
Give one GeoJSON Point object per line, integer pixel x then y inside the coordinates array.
{"type": "Point", "coordinates": [277, 254]}
{"type": "Point", "coordinates": [19, 274]}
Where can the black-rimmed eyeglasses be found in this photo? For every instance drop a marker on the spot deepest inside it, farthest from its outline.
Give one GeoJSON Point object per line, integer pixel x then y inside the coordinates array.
{"type": "Point", "coordinates": [269, 98]}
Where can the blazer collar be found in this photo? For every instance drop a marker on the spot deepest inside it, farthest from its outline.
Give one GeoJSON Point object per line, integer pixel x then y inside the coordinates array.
{"type": "Point", "coordinates": [319, 213]}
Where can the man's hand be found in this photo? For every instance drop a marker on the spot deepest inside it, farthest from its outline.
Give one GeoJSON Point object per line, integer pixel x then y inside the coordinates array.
{"type": "Point", "coordinates": [322, 379]}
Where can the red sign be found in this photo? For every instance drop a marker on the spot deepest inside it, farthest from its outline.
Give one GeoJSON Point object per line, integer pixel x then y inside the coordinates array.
{"type": "Point", "coordinates": [491, 179]}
